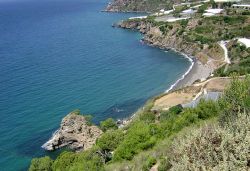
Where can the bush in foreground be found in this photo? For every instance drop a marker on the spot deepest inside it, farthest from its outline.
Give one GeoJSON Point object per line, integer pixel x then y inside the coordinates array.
{"type": "Point", "coordinates": [213, 147]}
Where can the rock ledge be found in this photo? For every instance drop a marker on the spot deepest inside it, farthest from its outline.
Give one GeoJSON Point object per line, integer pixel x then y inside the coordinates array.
{"type": "Point", "coordinates": [75, 133]}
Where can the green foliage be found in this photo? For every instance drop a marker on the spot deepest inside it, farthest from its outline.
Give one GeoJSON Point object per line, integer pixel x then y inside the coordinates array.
{"type": "Point", "coordinates": [164, 165]}
{"type": "Point", "coordinates": [148, 117]}
{"type": "Point", "coordinates": [77, 112]}
{"type": "Point", "coordinates": [108, 124]}
{"type": "Point", "coordinates": [181, 31]}
{"type": "Point", "coordinates": [171, 113]}
{"type": "Point", "coordinates": [146, 132]}
{"type": "Point", "coordinates": [214, 5]}
{"type": "Point", "coordinates": [246, 13]}
{"type": "Point", "coordinates": [203, 39]}
{"type": "Point", "coordinates": [213, 147]}
{"type": "Point", "coordinates": [202, 8]}
{"type": "Point", "coordinates": [207, 109]}
{"type": "Point", "coordinates": [151, 161]}
{"type": "Point", "coordinates": [110, 140]}
{"type": "Point", "coordinates": [184, 23]}
{"type": "Point", "coordinates": [64, 160]}
{"type": "Point", "coordinates": [139, 137]}
{"type": "Point", "coordinates": [86, 161]}
{"type": "Point", "coordinates": [41, 164]}
{"type": "Point", "coordinates": [164, 28]}
{"type": "Point", "coordinates": [235, 100]}
{"type": "Point", "coordinates": [88, 119]}
{"type": "Point", "coordinates": [204, 29]}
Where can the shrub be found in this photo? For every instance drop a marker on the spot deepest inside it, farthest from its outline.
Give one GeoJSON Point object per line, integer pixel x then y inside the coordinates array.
{"type": "Point", "coordinates": [138, 138]}
{"type": "Point", "coordinates": [236, 99]}
{"type": "Point", "coordinates": [213, 147]}
{"type": "Point", "coordinates": [171, 113]}
{"type": "Point", "coordinates": [202, 8]}
{"type": "Point", "coordinates": [108, 124]}
{"type": "Point", "coordinates": [110, 140]}
{"type": "Point", "coordinates": [206, 109]}
{"type": "Point", "coordinates": [164, 165]}
{"type": "Point", "coordinates": [147, 117]}
{"type": "Point", "coordinates": [63, 161]}
{"type": "Point", "coordinates": [77, 112]}
{"type": "Point", "coordinates": [89, 160]}
{"type": "Point", "coordinates": [41, 164]}
{"type": "Point", "coordinates": [184, 23]}
{"type": "Point", "coordinates": [151, 161]}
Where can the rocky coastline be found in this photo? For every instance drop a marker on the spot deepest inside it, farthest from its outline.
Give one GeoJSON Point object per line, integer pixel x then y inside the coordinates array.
{"type": "Point", "coordinates": [75, 132]}
{"type": "Point", "coordinates": [154, 37]}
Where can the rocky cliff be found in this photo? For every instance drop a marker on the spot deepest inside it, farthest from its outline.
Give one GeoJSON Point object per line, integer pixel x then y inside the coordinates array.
{"type": "Point", "coordinates": [172, 36]}
{"type": "Point", "coordinates": [155, 37]}
{"type": "Point", "coordinates": [75, 133]}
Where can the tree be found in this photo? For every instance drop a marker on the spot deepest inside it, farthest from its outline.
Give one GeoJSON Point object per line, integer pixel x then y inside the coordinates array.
{"type": "Point", "coordinates": [108, 142]}
{"type": "Point", "coordinates": [108, 124]}
{"type": "Point", "coordinates": [41, 164]}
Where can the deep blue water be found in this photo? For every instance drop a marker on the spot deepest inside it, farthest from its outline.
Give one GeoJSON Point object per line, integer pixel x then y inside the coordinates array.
{"type": "Point", "coordinates": [61, 55]}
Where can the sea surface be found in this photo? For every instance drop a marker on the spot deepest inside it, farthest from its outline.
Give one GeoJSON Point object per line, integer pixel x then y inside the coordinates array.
{"type": "Point", "coordinates": [60, 55]}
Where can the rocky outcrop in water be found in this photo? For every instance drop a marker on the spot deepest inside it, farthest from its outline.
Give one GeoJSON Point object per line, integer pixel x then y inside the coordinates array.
{"type": "Point", "coordinates": [75, 132]}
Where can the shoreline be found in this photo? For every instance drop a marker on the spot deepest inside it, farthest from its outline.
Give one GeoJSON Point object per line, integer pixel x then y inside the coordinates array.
{"type": "Point", "coordinates": [196, 71]}
{"type": "Point", "coordinates": [191, 60]}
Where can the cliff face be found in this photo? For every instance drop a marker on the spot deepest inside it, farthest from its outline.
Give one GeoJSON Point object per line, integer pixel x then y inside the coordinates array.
{"type": "Point", "coordinates": [75, 133]}
{"type": "Point", "coordinates": [139, 5]}
{"type": "Point", "coordinates": [173, 37]}
{"type": "Point", "coordinates": [154, 36]}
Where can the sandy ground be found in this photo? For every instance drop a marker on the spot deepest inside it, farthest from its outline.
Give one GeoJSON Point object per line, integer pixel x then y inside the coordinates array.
{"type": "Point", "coordinates": [190, 93]}
{"type": "Point", "coordinates": [198, 72]}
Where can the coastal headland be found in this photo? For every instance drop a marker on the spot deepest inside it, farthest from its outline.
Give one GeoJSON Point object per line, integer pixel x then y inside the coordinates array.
{"type": "Point", "coordinates": [207, 34]}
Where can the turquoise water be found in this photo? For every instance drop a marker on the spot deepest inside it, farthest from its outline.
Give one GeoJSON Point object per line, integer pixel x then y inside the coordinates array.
{"type": "Point", "coordinates": [61, 55]}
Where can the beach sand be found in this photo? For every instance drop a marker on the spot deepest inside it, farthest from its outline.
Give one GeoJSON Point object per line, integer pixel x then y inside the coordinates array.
{"type": "Point", "coordinates": [198, 72]}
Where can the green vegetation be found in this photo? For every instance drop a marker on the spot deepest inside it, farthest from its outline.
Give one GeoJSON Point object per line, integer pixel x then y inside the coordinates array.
{"type": "Point", "coordinates": [216, 28]}
{"type": "Point", "coordinates": [43, 163]}
{"type": "Point", "coordinates": [151, 161]}
{"type": "Point", "coordinates": [146, 5]}
{"type": "Point", "coordinates": [213, 147]}
{"type": "Point", "coordinates": [240, 60]}
{"type": "Point", "coordinates": [154, 138]}
{"type": "Point", "coordinates": [108, 124]}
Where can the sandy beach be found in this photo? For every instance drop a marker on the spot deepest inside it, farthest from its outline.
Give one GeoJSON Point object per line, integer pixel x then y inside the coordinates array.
{"type": "Point", "coordinates": [198, 72]}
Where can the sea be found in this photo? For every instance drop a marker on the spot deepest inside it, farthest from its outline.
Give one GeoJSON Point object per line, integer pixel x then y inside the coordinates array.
{"type": "Point", "coordinates": [60, 55]}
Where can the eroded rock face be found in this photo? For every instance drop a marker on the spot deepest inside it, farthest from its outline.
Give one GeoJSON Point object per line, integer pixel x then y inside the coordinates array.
{"type": "Point", "coordinates": [154, 37]}
{"type": "Point", "coordinates": [75, 133]}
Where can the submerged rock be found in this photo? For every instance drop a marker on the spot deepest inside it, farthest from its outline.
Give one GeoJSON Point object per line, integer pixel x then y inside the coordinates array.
{"type": "Point", "coordinates": [75, 133]}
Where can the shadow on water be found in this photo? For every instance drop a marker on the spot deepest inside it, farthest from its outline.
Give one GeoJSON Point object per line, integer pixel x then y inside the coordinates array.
{"type": "Point", "coordinates": [120, 111]}
{"type": "Point", "coordinates": [32, 146]}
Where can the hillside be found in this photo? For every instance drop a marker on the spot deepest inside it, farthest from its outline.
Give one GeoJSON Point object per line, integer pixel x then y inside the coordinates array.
{"type": "Point", "coordinates": [139, 5]}
{"type": "Point", "coordinates": [171, 140]}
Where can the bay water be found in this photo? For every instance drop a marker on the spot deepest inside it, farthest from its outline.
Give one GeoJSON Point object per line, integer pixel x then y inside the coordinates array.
{"type": "Point", "coordinates": [60, 55]}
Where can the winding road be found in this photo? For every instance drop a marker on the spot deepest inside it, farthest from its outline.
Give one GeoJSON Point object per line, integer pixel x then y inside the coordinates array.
{"type": "Point", "coordinates": [223, 46]}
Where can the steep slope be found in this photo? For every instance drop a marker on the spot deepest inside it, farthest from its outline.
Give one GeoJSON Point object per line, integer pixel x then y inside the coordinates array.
{"type": "Point", "coordinates": [140, 5]}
